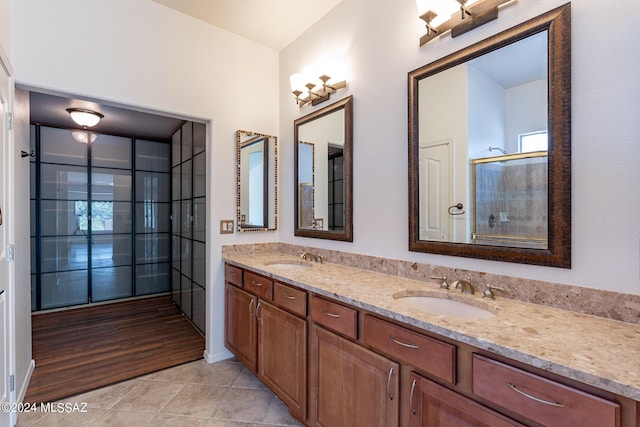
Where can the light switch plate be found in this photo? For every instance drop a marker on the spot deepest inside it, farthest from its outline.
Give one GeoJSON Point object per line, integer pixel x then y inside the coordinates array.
{"type": "Point", "coordinates": [226, 226]}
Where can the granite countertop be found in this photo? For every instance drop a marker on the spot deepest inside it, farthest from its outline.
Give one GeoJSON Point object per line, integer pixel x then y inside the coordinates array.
{"type": "Point", "coordinates": [592, 350]}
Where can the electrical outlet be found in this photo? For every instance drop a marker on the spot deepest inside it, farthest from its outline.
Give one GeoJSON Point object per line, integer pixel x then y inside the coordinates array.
{"type": "Point", "coordinates": [226, 226]}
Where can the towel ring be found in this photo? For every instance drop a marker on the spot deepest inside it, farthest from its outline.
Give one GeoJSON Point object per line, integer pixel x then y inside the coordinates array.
{"type": "Point", "coordinates": [459, 207]}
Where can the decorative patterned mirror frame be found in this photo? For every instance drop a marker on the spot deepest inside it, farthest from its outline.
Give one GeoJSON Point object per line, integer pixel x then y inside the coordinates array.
{"type": "Point", "coordinates": [273, 223]}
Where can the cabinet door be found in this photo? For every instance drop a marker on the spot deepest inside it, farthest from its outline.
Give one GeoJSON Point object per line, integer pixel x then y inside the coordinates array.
{"type": "Point", "coordinates": [282, 356]}
{"type": "Point", "coordinates": [240, 325]}
{"type": "Point", "coordinates": [354, 387]}
{"type": "Point", "coordinates": [433, 405]}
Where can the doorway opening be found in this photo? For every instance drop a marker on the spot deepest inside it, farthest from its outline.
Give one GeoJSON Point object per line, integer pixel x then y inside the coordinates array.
{"type": "Point", "coordinates": [119, 213]}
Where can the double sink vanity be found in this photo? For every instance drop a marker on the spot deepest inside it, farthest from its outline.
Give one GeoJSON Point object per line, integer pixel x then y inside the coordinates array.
{"type": "Point", "coordinates": [353, 340]}
{"type": "Point", "coordinates": [350, 346]}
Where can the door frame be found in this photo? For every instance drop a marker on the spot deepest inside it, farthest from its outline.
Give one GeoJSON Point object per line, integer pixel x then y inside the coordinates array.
{"type": "Point", "coordinates": [7, 199]}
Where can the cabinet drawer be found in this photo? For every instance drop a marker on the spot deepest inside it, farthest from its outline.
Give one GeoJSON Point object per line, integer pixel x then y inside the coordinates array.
{"type": "Point", "coordinates": [336, 317]}
{"type": "Point", "coordinates": [294, 300]}
{"type": "Point", "coordinates": [233, 275]}
{"type": "Point", "coordinates": [258, 285]}
{"type": "Point", "coordinates": [425, 353]}
{"type": "Point", "coordinates": [539, 399]}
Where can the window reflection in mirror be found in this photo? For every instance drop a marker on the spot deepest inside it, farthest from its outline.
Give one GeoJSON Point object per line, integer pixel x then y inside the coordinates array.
{"type": "Point", "coordinates": [490, 147]}
{"type": "Point", "coordinates": [257, 181]}
{"type": "Point", "coordinates": [323, 178]}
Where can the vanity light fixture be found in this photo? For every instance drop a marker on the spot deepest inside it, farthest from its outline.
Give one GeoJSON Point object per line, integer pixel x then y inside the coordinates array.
{"type": "Point", "coordinates": [85, 118]}
{"type": "Point", "coordinates": [314, 87]}
{"type": "Point", "coordinates": [440, 16]}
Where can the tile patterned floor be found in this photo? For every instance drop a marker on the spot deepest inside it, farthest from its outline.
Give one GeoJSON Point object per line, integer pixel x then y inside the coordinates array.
{"type": "Point", "coordinates": [197, 394]}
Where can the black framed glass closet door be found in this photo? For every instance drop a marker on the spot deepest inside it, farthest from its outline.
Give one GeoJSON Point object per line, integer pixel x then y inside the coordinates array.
{"type": "Point", "coordinates": [85, 230]}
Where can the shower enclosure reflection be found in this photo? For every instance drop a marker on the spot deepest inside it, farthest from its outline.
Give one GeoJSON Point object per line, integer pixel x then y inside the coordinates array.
{"type": "Point", "coordinates": [510, 200]}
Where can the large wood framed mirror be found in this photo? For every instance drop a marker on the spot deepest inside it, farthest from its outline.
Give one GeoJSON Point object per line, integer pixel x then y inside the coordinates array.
{"type": "Point", "coordinates": [324, 169]}
{"type": "Point", "coordinates": [257, 181]}
{"type": "Point", "coordinates": [490, 147]}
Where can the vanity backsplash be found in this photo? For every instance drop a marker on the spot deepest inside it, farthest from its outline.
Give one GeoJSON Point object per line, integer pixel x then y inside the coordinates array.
{"type": "Point", "coordinates": [596, 302]}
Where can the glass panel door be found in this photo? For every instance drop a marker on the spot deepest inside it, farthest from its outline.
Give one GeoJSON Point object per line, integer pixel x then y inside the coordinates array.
{"type": "Point", "coordinates": [188, 210]}
{"type": "Point", "coordinates": [63, 260]}
{"type": "Point", "coordinates": [100, 218]}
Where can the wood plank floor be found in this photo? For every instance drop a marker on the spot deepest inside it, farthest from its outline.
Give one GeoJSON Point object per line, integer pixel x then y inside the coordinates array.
{"type": "Point", "coordinates": [79, 350]}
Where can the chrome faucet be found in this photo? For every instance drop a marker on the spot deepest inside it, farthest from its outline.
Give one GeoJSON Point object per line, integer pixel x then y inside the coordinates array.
{"type": "Point", "coordinates": [489, 294]}
{"type": "Point", "coordinates": [311, 257]}
{"type": "Point", "coordinates": [443, 281]}
{"type": "Point", "coordinates": [464, 286]}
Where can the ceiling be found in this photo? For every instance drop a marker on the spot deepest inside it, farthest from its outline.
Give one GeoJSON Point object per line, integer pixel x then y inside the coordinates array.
{"type": "Point", "coordinates": [518, 63]}
{"type": "Point", "coordinates": [268, 22]}
{"type": "Point", "coordinates": [273, 23]}
{"type": "Point", "coordinates": [50, 110]}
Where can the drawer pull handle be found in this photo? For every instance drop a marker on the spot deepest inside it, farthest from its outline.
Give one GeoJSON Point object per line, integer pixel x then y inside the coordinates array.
{"type": "Point", "coordinates": [250, 304]}
{"type": "Point", "coordinates": [257, 309]}
{"type": "Point", "coordinates": [233, 273]}
{"type": "Point", "coordinates": [389, 384]}
{"type": "Point", "coordinates": [253, 282]}
{"type": "Point", "coordinates": [284, 294]}
{"type": "Point", "coordinates": [404, 344]}
{"type": "Point", "coordinates": [413, 388]}
{"type": "Point", "coordinates": [546, 402]}
{"type": "Point", "coordinates": [330, 314]}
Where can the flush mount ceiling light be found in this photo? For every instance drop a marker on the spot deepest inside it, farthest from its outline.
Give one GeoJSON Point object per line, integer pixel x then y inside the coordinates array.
{"type": "Point", "coordinates": [84, 137]}
{"type": "Point", "coordinates": [440, 16]}
{"type": "Point", "coordinates": [85, 118]}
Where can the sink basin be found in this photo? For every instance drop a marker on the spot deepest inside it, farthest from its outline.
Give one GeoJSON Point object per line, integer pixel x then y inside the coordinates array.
{"type": "Point", "coordinates": [444, 304]}
{"type": "Point", "coordinates": [289, 265]}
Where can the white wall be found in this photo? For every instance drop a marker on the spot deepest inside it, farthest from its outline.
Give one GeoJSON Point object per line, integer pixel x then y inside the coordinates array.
{"type": "Point", "coordinates": [526, 111]}
{"type": "Point", "coordinates": [142, 54]}
{"type": "Point", "coordinates": [379, 41]}
{"type": "Point", "coordinates": [486, 115]}
{"type": "Point", "coordinates": [6, 27]}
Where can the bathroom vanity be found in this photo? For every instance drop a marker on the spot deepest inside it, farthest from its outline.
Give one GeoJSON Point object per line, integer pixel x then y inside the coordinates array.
{"type": "Point", "coordinates": [342, 346]}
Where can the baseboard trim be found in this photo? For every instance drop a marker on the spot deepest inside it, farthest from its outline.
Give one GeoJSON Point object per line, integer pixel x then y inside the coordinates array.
{"type": "Point", "coordinates": [22, 392]}
{"type": "Point", "coordinates": [217, 357]}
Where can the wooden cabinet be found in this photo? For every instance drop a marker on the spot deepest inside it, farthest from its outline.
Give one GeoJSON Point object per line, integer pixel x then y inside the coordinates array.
{"type": "Point", "coordinates": [432, 356]}
{"type": "Point", "coordinates": [353, 386]}
{"type": "Point", "coordinates": [539, 399]}
{"type": "Point", "coordinates": [258, 285]}
{"type": "Point", "coordinates": [291, 299]}
{"type": "Point", "coordinates": [233, 275]}
{"type": "Point", "coordinates": [337, 317]}
{"type": "Point", "coordinates": [269, 340]}
{"type": "Point", "coordinates": [336, 365]}
{"type": "Point", "coordinates": [433, 405]}
{"type": "Point", "coordinates": [240, 332]}
{"type": "Point", "coordinates": [282, 356]}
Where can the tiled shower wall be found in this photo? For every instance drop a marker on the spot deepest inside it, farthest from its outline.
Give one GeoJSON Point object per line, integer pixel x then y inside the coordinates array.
{"type": "Point", "coordinates": [511, 200]}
